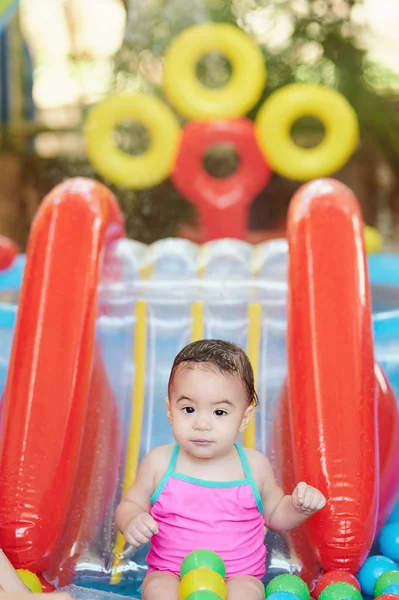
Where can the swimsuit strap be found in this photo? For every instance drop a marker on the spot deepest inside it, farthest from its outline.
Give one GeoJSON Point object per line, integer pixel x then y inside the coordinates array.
{"type": "Point", "coordinates": [169, 471]}
{"type": "Point", "coordinates": [173, 459]}
{"type": "Point", "coordinates": [249, 477]}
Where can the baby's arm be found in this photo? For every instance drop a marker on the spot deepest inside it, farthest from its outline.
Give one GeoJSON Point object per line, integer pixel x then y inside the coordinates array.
{"type": "Point", "coordinates": [284, 512]}
{"type": "Point", "coordinates": [132, 515]}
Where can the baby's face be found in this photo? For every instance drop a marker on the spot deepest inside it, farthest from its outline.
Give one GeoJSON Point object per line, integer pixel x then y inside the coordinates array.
{"type": "Point", "coordinates": [207, 410]}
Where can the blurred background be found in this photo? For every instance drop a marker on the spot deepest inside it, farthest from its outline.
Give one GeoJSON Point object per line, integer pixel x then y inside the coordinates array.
{"type": "Point", "coordinates": [59, 57]}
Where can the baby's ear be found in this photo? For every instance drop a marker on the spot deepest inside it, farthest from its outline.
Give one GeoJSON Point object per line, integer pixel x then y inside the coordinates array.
{"type": "Point", "coordinates": [168, 411]}
{"type": "Point", "coordinates": [246, 418]}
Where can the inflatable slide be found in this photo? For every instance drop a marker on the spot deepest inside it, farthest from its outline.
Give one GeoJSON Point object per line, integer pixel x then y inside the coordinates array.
{"type": "Point", "coordinates": [99, 321]}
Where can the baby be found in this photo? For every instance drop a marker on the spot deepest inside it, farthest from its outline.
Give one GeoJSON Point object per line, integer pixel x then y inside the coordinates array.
{"type": "Point", "coordinates": [206, 491]}
{"type": "Point", "coordinates": [9, 579]}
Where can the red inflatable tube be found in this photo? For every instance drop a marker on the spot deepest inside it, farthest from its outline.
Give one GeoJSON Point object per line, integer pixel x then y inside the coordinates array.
{"type": "Point", "coordinates": [96, 479]}
{"type": "Point", "coordinates": [303, 556]}
{"type": "Point", "coordinates": [388, 434]}
{"type": "Point", "coordinates": [331, 371]}
{"type": "Point", "coordinates": [388, 444]}
{"type": "Point", "coordinates": [222, 203]}
{"type": "Point", "coordinates": [50, 368]}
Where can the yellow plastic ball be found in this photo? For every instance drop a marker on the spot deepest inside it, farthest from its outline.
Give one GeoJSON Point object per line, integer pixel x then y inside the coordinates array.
{"type": "Point", "coordinates": [202, 580]}
{"type": "Point", "coordinates": [373, 240]}
{"type": "Point", "coordinates": [31, 581]}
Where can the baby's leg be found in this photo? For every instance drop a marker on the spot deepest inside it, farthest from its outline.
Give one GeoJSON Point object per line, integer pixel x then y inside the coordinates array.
{"type": "Point", "coordinates": [160, 585]}
{"type": "Point", "coordinates": [245, 586]}
{"type": "Point", "coordinates": [9, 579]}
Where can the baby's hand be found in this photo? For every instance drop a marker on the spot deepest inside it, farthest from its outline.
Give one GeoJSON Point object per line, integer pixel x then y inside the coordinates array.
{"type": "Point", "coordinates": [140, 530]}
{"type": "Point", "coordinates": [307, 499]}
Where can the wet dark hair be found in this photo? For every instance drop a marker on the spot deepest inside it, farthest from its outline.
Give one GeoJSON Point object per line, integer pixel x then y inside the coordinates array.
{"type": "Point", "coordinates": [226, 357]}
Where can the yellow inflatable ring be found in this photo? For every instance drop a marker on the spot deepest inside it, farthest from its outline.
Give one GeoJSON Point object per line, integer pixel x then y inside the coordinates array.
{"type": "Point", "coordinates": [198, 102]}
{"type": "Point", "coordinates": [290, 103]}
{"type": "Point", "coordinates": [118, 167]}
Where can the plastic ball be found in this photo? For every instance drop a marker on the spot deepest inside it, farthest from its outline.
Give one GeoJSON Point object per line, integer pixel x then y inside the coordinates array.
{"type": "Point", "coordinates": [8, 252]}
{"type": "Point", "coordinates": [385, 580]}
{"type": "Point", "coordinates": [203, 559]}
{"type": "Point", "coordinates": [373, 240]}
{"type": "Point", "coordinates": [202, 580]}
{"type": "Point", "coordinates": [31, 581]}
{"type": "Point", "coordinates": [373, 568]}
{"type": "Point", "coordinates": [203, 595]}
{"type": "Point", "coordinates": [282, 596]}
{"type": "Point", "coordinates": [335, 577]}
{"type": "Point", "coordinates": [340, 591]}
{"type": "Point", "coordinates": [392, 589]}
{"type": "Point", "coordinates": [288, 583]}
{"type": "Point", "coordinates": [388, 597]}
{"type": "Point", "coordinates": [388, 541]}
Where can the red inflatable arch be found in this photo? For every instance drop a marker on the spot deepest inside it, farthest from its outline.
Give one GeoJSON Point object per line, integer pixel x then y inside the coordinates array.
{"type": "Point", "coordinates": [332, 392]}
{"type": "Point", "coordinates": [50, 371]}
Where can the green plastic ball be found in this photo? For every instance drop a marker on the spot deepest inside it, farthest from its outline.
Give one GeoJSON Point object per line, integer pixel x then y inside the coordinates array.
{"type": "Point", "coordinates": [340, 591]}
{"type": "Point", "coordinates": [386, 579]}
{"type": "Point", "coordinates": [288, 583]}
{"type": "Point", "coordinates": [203, 559]}
{"type": "Point", "coordinates": [203, 595]}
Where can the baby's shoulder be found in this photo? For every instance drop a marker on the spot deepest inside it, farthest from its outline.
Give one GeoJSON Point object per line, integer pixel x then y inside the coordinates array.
{"type": "Point", "coordinates": [157, 460]}
{"type": "Point", "coordinates": [259, 464]}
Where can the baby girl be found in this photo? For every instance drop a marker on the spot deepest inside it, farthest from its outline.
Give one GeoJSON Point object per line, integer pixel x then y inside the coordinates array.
{"type": "Point", "coordinates": [206, 491]}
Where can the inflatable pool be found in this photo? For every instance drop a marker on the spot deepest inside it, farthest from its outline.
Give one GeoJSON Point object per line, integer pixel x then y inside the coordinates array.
{"type": "Point", "coordinates": [99, 321]}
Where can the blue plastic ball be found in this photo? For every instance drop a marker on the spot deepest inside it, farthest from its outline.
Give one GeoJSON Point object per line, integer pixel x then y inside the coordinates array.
{"type": "Point", "coordinates": [392, 589]}
{"type": "Point", "coordinates": [282, 596]}
{"type": "Point", "coordinates": [394, 514]}
{"type": "Point", "coordinates": [372, 569]}
{"type": "Point", "coordinates": [388, 542]}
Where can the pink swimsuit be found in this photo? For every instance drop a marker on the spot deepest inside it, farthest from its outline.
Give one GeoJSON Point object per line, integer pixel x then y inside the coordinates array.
{"type": "Point", "coordinates": [226, 517]}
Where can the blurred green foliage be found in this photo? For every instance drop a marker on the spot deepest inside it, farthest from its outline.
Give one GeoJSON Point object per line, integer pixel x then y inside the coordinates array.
{"type": "Point", "coordinates": [318, 41]}
{"type": "Point", "coordinates": [325, 42]}
{"type": "Point", "coordinates": [322, 41]}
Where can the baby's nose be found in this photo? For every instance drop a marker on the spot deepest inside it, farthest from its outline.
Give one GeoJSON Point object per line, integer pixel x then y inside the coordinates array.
{"type": "Point", "coordinates": [202, 424]}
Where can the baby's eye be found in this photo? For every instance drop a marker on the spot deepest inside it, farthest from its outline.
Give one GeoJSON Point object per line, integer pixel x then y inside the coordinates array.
{"type": "Point", "coordinates": [188, 409]}
{"type": "Point", "coordinates": [220, 413]}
